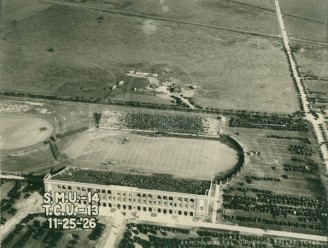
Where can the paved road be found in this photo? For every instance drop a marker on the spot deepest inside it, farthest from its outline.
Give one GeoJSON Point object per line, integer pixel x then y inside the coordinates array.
{"type": "Point", "coordinates": [183, 221]}
{"type": "Point", "coordinates": [11, 177]}
{"type": "Point", "coordinates": [308, 116]}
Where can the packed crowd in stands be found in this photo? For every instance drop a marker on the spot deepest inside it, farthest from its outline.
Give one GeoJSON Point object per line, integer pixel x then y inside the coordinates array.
{"type": "Point", "coordinates": [153, 182]}
{"type": "Point", "coordinates": [164, 123]}
{"type": "Point", "coordinates": [269, 122]}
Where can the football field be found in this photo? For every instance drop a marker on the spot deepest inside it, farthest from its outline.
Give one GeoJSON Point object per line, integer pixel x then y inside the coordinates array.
{"type": "Point", "coordinates": [196, 158]}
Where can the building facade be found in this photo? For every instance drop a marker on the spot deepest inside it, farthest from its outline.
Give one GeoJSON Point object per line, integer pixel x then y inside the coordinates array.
{"type": "Point", "coordinates": [135, 199]}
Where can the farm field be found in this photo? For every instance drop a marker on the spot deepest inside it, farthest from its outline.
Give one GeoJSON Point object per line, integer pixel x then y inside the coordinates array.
{"type": "Point", "coordinates": [13, 11]}
{"type": "Point", "coordinates": [314, 24]}
{"type": "Point", "coordinates": [239, 72]}
{"type": "Point", "coordinates": [228, 14]}
{"type": "Point", "coordinates": [267, 4]}
{"type": "Point", "coordinates": [313, 60]}
{"type": "Point", "coordinates": [117, 150]}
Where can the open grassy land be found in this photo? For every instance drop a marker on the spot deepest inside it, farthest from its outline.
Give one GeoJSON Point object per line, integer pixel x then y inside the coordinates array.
{"type": "Point", "coordinates": [313, 64]}
{"type": "Point", "coordinates": [226, 14]}
{"type": "Point", "coordinates": [312, 21]}
{"type": "Point", "coordinates": [85, 57]}
{"type": "Point", "coordinates": [13, 11]}
{"type": "Point", "coordinates": [282, 185]}
{"type": "Point", "coordinates": [18, 132]}
{"type": "Point", "coordinates": [266, 4]}
{"type": "Point", "coordinates": [313, 60]}
{"type": "Point", "coordinates": [30, 153]}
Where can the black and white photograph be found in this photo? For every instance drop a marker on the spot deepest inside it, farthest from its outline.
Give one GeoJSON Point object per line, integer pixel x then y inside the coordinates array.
{"type": "Point", "coordinates": [164, 123]}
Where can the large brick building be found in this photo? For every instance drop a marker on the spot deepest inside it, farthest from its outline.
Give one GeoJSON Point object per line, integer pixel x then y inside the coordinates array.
{"type": "Point", "coordinates": [181, 201]}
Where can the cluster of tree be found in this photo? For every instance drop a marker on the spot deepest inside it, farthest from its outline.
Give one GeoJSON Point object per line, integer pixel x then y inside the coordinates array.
{"type": "Point", "coordinates": [274, 222]}
{"type": "Point", "coordinates": [300, 150]}
{"type": "Point", "coordinates": [23, 239]}
{"type": "Point", "coordinates": [274, 122]}
{"type": "Point", "coordinates": [293, 201]}
{"type": "Point", "coordinates": [318, 99]}
{"type": "Point", "coordinates": [13, 195]}
{"type": "Point", "coordinates": [55, 151]}
{"type": "Point", "coordinates": [301, 168]}
{"type": "Point", "coordinates": [155, 181]}
{"type": "Point", "coordinates": [250, 178]}
{"type": "Point", "coordinates": [278, 206]}
{"type": "Point", "coordinates": [299, 98]}
{"type": "Point", "coordinates": [164, 122]}
{"type": "Point", "coordinates": [149, 105]}
{"type": "Point", "coordinates": [17, 231]}
{"type": "Point", "coordinates": [97, 231]}
{"type": "Point", "coordinates": [52, 237]}
{"type": "Point", "coordinates": [255, 241]}
{"type": "Point", "coordinates": [303, 139]}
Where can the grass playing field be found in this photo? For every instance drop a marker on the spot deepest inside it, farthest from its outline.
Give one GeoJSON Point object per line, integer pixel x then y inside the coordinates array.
{"type": "Point", "coordinates": [21, 131]}
{"type": "Point", "coordinates": [199, 158]}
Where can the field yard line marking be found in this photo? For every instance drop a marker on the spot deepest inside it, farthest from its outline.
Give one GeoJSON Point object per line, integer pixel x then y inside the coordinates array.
{"type": "Point", "coordinates": [196, 166]}
{"type": "Point", "coordinates": [174, 165]}
{"type": "Point", "coordinates": [214, 162]}
{"type": "Point", "coordinates": [143, 150]}
{"type": "Point", "coordinates": [187, 156]}
{"type": "Point", "coordinates": [191, 156]}
{"type": "Point", "coordinates": [116, 150]}
{"type": "Point", "coordinates": [152, 155]}
{"type": "Point", "coordinates": [178, 161]}
{"type": "Point", "coordinates": [146, 165]}
{"type": "Point", "coordinates": [131, 151]}
{"type": "Point", "coordinates": [109, 148]}
{"type": "Point", "coordinates": [102, 157]}
{"type": "Point", "coordinates": [169, 155]}
{"type": "Point", "coordinates": [89, 156]}
{"type": "Point", "coordinates": [158, 154]}
{"type": "Point", "coordinates": [165, 157]}
{"type": "Point", "coordinates": [123, 151]}
{"type": "Point", "coordinates": [98, 149]}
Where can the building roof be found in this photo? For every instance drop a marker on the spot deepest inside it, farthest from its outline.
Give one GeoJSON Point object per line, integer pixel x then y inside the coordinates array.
{"type": "Point", "coordinates": [161, 182]}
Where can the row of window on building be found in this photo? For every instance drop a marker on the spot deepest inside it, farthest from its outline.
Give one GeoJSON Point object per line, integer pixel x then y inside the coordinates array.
{"type": "Point", "coordinates": [146, 198]}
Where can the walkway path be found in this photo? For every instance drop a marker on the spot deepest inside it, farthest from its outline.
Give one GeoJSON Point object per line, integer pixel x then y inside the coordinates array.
{"type": "Point", "coordinates": [183, 221]}
{"type": "Point", "coordinates": [306, 106]}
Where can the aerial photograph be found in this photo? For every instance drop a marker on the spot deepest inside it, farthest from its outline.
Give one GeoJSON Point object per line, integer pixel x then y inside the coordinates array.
{"type": "Point", "coordinates": [164, 123]}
